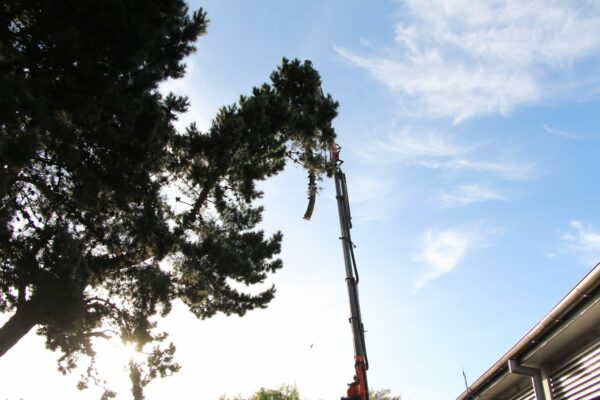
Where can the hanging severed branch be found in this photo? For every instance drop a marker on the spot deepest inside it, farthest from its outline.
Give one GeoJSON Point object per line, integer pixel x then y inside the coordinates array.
{"type": "Point", "coordinates": [312, 194]}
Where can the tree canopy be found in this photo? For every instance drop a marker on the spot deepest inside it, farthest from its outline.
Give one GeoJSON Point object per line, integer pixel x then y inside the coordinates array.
{"type": "Point", "coordinates": [289, 392]}
{"type": "Point", "coordinates": [285, 392]}
{"type": "Point", "coordinates": [383, 394]}
{"type": "Point", "coordinates": [90, 247]}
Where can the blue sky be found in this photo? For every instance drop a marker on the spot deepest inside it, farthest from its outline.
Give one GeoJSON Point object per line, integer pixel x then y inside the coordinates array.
{"type": "Point", "coordinates": [470, 133]}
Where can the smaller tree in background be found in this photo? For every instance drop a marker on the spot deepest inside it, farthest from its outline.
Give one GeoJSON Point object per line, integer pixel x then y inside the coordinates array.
{"type": "Point", "coordinates": [285, 392]}
{"type": "Point", "coordinates": [290, 392]}
{"type": "Point", "coordinates": [383, 394]}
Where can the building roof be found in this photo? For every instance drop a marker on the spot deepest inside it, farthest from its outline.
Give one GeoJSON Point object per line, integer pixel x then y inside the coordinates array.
{"type": "Point", "coordinates": [573, 323]}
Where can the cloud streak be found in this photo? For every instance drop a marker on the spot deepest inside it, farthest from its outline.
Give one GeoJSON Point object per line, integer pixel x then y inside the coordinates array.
{"type": "Point", "coordinates": [468, 194]}
{"type": "Point", "coordinates": [443, 250]}
{"type": "Point", "coordinates": [463, 59]}
{"type": "Point", "coordinates": [584, 241]}
{"type": "Point", "coordinates": [433, 150]}
{"type": "Point", "coordinates": [557, 132]}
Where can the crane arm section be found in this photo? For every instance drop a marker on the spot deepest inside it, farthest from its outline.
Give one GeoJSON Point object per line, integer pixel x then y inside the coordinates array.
{"type": "Point", "coordinates": [358, 389]}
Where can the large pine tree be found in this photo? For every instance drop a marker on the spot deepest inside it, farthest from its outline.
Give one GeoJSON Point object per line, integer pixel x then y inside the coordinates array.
{"type": "Point", "coordinates": [89, 247]}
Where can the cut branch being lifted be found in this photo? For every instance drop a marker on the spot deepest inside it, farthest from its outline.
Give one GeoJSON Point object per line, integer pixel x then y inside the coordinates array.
{"type": "Point", "coordinates": [312, 194]}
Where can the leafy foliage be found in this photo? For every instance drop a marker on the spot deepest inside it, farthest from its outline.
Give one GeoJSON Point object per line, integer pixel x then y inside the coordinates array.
{"type": "Point", "coordinates": [383, 394]}
{"type": "Point", "coordinates": [285, 392]}
{"type": "Point", "coordinates": [90, 245]}
{"type": "Point", "coordinates": [288, 392]}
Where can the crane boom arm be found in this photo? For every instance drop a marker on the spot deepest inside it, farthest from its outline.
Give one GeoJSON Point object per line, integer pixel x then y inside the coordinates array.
{"type": "Point", "coordinates": [358, 389]}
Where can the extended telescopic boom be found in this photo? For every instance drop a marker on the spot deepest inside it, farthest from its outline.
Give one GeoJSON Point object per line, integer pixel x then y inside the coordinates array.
{"type": "Point", "coordinates": [358, 389]}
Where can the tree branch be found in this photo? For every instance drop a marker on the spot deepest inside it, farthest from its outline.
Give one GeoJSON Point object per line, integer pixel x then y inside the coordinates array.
{"type": "Point", "coordinates": [17, 326]}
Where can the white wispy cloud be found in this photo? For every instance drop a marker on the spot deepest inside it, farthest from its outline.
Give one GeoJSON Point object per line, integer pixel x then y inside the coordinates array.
{"type": "Point", "coordinates": [510, 170]}
{"type": "Point", "coordinates": [439, 151]}
{"type": "Point", "coordinates": [584, 241]}
{"type": "Point", "coordinates": [464, 195]}
{"type": "Point", "coordinates": [557, 132]}
{"type": "Point", "coordinates": [465, 58]}
{"type": "Point", "coordinates": [373, 199]}
{"type": "Point", "coordinates": [443, 250]}
{"type": "Point", "coordinates": [404, 145]}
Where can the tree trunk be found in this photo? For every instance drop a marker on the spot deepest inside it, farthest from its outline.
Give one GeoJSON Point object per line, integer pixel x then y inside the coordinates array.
{"type": "Point", "coordinates": [17, 326]}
